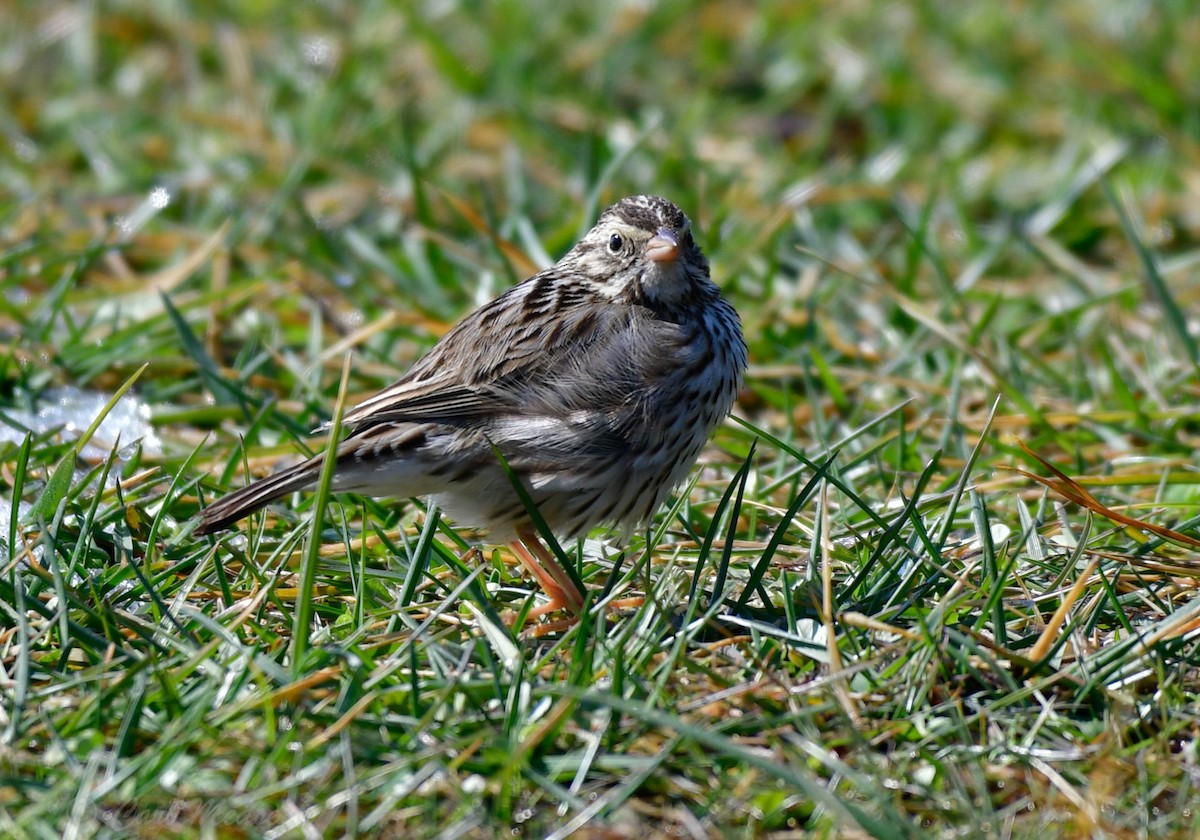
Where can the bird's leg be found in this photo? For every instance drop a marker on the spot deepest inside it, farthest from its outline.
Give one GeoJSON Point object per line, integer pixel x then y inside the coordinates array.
{"type": "Point", "coordinates": [549, 574]}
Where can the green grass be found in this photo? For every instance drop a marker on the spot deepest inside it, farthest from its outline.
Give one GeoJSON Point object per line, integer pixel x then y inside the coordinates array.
{"type": "Point", "coordinates": [953, 232]}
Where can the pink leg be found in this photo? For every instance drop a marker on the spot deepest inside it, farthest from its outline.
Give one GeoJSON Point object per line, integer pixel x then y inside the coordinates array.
{"type": "Point", "coordinates": [549, 574]}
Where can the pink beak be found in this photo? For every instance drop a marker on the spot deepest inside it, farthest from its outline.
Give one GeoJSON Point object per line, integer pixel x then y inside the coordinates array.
{"type": "Point", "coordinates": [664, 247]}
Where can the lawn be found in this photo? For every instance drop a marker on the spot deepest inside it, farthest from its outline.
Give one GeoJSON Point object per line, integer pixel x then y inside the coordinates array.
{"type": "Point", "coordinates": [937, 575]}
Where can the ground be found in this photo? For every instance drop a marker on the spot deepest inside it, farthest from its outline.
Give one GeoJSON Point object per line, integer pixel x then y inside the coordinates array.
{"type": "Point", "coordinates": [936, 575]}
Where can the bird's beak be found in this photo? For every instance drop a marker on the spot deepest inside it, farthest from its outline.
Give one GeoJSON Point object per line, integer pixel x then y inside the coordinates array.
{"type": "Point", "coordinates": [664, 247]}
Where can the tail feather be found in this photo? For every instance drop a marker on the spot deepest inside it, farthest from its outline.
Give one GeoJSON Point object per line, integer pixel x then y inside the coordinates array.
{"type": "Point", "coordinates": [241, 503]}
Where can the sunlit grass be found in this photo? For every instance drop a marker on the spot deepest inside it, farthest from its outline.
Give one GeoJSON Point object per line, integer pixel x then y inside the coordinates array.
{"type": "Point", "coordinates": [963, 244]}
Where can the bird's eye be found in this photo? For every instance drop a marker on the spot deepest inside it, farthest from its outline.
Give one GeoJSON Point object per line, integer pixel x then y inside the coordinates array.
{"type": "Point", "coordinates": [615, 242]}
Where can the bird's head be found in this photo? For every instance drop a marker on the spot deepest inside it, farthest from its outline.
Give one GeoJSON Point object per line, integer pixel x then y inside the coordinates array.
{"type": "Point", "coordinates": [641, 250]}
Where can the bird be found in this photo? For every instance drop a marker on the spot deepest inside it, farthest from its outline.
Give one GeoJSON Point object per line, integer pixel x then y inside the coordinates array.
{"type": "Point", "coordinates": [598, 381]}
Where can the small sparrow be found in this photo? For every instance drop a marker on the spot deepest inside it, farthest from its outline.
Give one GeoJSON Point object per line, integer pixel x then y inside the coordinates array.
{"type": "Point", "coordinates": [599, 379]}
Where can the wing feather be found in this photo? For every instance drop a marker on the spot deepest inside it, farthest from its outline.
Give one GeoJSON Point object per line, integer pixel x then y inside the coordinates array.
{"type": "Point", "coordinates": [508, 359]}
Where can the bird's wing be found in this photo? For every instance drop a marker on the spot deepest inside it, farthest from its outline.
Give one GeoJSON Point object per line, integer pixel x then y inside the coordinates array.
{"type": "Point", "coordinates": [490, 343]}
{"type": "Point", "coordinates": [505, 360]}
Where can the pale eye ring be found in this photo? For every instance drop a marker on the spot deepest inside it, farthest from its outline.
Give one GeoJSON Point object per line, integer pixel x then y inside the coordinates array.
{"type": "Point", "coordinates": [614, 243]}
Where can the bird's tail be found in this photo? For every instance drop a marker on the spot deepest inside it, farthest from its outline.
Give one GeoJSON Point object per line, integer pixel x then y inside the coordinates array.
{"type": "Point", "coordinates": [241, 503]}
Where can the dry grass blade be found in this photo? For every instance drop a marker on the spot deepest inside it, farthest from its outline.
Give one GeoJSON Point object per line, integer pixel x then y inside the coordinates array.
{"type": "Point", "coordinates": [521, 263]}
{"type": "Point", "coordinates": [1073, 491]}
{"type": "Point", "coordinates": [1046, 641]}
